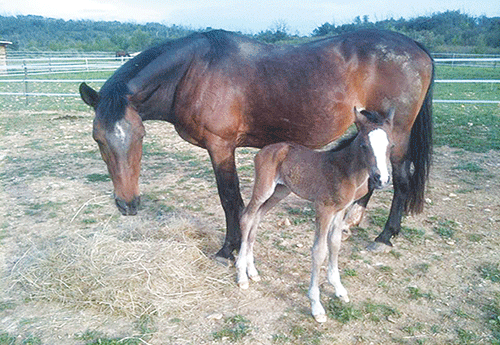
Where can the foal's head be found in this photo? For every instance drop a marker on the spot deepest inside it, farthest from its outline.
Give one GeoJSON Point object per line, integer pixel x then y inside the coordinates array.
{"type": "Point", "coordinates": [374, 140]}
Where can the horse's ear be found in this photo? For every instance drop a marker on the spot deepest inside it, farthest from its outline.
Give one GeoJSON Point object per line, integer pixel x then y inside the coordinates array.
{"type": "Point", "coordinates": [89, 95]}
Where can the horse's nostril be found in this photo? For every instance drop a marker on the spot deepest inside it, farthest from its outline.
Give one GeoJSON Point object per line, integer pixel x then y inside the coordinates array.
{"type": "Point", "coordinates": [128, 208]}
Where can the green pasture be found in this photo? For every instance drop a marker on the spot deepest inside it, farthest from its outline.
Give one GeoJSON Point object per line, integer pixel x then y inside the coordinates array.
{"type": "Point", "coordinates": [473, 127]}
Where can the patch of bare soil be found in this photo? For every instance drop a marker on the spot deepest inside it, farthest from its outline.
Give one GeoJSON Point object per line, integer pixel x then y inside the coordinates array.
{"type": "Point", "coordinates": [73, 270]}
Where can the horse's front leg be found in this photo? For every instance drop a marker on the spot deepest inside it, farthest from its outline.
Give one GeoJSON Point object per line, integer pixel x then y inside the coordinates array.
{"type": "Point", "coordinates": [401, 178]}
{"type": "Point", "coordinates": [334, 243]}
{"type": "Point", "coordinates": [224, 166]}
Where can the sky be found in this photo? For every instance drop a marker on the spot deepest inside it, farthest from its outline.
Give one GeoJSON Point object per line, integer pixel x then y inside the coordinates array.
{"type": "Point", "coordinates": [298, 16]}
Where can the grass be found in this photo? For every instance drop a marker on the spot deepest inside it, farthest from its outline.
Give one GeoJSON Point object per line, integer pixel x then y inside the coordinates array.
{"type": "Point", "coordinates": [415, 293]}
{"type": "Point", "coordinates": [490, 271]}
{"type": "Point", "coordinates": [492, 310]}
{"type": "Point", "coordinates": [446, 229]}
{"type": "Point", "coordinates": [479, 124]}
{"type": "Point", "coordinates": [469, 166]}
{"type": "Point", "coordinates": [145, 328]}
{"type": "Point", "coordinates": [368, 310]}
{"type": "Point", "coordinates": [235, 328]}
{"type": "Point", "coordinates": [92, 178]}
{"type": "Point", "coordinates": [301, 216]}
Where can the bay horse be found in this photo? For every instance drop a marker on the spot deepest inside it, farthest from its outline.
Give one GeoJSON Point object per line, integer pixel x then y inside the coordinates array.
{"type": "Point", "coordinates": [222, 90]}
{"type": "Point", "coordinates": [332, 180]}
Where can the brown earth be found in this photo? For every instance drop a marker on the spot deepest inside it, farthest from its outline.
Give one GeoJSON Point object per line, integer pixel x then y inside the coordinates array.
{"type": "Point", "coordinates": [73, 270]}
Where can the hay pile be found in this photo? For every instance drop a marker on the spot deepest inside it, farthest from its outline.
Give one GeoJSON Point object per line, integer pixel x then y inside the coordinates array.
{"type": "Point", "coordinates": [159, 276]}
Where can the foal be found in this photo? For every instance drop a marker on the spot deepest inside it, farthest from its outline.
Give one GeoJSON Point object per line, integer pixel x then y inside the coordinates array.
{"type": "Point", "coordinates": [332, 180]}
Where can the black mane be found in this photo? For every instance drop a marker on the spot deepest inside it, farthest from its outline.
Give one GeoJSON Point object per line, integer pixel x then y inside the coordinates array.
{"type": "Point", "coordinates": [114, 93]}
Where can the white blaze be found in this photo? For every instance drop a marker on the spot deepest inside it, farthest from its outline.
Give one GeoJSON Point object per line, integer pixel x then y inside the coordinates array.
{"type": "Point", "coordinates": [380, 143]}
{"type": "Point", "coordinates": [120, 132]}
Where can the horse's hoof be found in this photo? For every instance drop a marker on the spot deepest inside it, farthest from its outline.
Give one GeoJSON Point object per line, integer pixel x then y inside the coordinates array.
{"type": "Point", "coordinates": [224, 253]}
{"type": "Point", "coordinates": [223, 261]}
{"type": "Point", "coordinates": [243, 285]}
{"type": "Point", "coordinates": [379, 247]}
{"type": "Point", "coordinates": [255, 278]}
{"type": "Point", "coordinates": [321, 318]}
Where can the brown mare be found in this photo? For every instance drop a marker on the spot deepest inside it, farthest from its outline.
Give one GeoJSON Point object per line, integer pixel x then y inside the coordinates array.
{"type": "Point", "coordinates": [333, 180]}
{"type": "Point", "coordinates": [222, 91]}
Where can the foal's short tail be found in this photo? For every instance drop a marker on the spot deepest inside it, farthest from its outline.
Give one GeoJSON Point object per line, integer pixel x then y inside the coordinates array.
{"type": "Point", "coordinates": [420, 152]}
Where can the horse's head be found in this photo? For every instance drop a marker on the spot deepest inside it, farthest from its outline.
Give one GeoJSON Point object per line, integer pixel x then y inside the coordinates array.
{"type": "Point", "coordinates": [120, 143]}
{"type": "Point", "coordinates": [375, 135]}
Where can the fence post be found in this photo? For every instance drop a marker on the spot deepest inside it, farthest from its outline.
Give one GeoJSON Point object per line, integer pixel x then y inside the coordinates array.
{"type": "Point", "coordinates": [25, 81]}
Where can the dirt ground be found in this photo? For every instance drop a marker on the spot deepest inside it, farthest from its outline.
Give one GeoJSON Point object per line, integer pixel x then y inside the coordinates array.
{"type": "Point", "coordinates": [74, 271]}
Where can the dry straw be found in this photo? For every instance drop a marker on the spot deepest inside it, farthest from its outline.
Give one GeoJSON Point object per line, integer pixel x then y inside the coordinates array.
{"type": "Point", "coordinates": [160, 275]}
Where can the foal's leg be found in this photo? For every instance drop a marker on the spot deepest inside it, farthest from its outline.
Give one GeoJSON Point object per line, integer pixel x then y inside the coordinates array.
{"type": "Point", "coordinates": [334, 242]}
{"type": "Point", "coordinates": [266, 193]}
{"type": "Point", "coordinates": [248, 223]}
{"type": "Point", "coordinates": [355, 214]}
{"type": "Point", "coordinates": [324, 218]}
{"type": "Point", "coordinates": [280, 192]}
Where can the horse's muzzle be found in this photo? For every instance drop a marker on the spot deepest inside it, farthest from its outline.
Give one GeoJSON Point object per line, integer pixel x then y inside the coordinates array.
{"type": "Point", "coordinates": [128, 208]}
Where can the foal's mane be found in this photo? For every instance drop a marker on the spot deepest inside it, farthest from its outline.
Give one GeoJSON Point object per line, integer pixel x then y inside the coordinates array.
{"type": "Point", "coordinates": [372, 116]}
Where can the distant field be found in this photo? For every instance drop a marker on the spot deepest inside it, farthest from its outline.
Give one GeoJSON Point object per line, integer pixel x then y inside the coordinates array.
{"type": "Point", "coordinates": [453, 122]}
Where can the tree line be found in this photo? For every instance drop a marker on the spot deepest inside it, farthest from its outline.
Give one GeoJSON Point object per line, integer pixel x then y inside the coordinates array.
{"type": "Point", "coordinates": [449, 31]}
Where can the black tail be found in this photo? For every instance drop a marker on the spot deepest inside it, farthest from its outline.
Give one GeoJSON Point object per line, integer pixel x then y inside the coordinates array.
{"type": "Point", "coordinates": [420, 152]}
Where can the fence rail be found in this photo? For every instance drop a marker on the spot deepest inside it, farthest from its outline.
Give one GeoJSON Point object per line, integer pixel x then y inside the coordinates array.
{"type": "Point", "coordinates": [28, 71]}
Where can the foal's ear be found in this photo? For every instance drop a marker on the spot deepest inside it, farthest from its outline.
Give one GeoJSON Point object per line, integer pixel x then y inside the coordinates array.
{"type": "Point", "coordinates": [89, 95]}
{"type": "Point", "coordinates": [358, 117]}
{"type": "Point", "coordinates": [390, 116]}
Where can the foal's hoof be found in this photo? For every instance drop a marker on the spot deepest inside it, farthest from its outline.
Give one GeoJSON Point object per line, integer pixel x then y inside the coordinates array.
{"type": "Point", "coordinates": [321, 318]}
{"type": "Point", "coordinates": [255, 278]}
{"type": "Point", "coordinates": [243, 285]}
{"type": "Point", "coordinates": [344, 298]}
{"type": "Point", "coordinates": [379, 247]}
{"type": "Point", "coordinates": [346, 233]}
